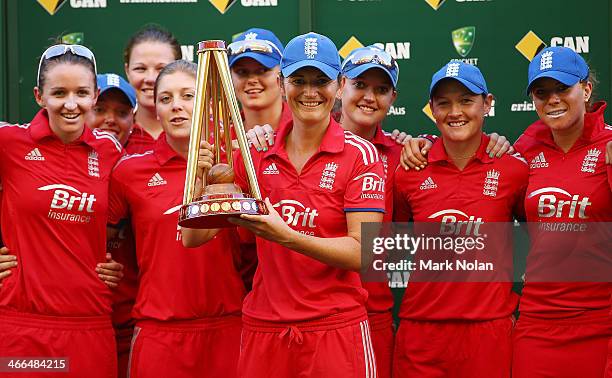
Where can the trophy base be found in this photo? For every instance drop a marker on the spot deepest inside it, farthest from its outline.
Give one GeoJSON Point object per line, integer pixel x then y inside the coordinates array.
{"type": "Point", "coordinates": [214, 210]}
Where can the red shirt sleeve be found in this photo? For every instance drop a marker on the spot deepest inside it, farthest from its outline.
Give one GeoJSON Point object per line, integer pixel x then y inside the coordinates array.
{"type": "Point", "coordinates": [117, 201]}
{"type": "Point", "coordinates": [401, 205]}
{"type": "Point", "coordinates": [365, 190]}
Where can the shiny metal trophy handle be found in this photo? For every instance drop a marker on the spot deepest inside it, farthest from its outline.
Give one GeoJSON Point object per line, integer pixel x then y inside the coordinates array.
{"type": "Point", "coordinates": [216, 101]}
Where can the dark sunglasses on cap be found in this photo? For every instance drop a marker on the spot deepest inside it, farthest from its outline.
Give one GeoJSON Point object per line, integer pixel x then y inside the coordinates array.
{"type": "Point", "coordinates": [380, 57]}
{"type": "Point", "coordinates": [253, 45]}
{"type": "Point", "coordinates": [58, 50]}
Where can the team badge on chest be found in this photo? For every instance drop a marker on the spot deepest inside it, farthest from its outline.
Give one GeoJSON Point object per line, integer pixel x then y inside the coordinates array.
{"type": "Point", "coordinates": [93, 166]}
{"type": "Point", "coordinates": [328, 176]}
{"type": "Point", "coordinates": [491, 183]}
{"type": "Point", "coordinates": [590, 160]}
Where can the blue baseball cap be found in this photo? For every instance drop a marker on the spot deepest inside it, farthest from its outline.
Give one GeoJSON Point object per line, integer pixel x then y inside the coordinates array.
{"type": "Point", "coordinates": [465, 73]}
{"type": "Point", "coordinates": [113, 81]}
{"type": "Point", "coordinates": [364, 58]}
{"type": "Point", "coordinates": [259, 44]}
{"type": "Point", "coordinates": [559, 63]}
{"type": "Point", "coordinates": [311, 50]}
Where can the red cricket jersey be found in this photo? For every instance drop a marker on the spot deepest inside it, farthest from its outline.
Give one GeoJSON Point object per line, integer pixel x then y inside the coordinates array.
{"type": "Point", "coordinates": [380, 298]}
{"type": "Point", "coordinates": [123, 247]}
{"type": "Point", "coordinates": [566, 187]}
{"type": "Point", "coordinates": [139, 140]}
{"type": "Point", "coordinates": [442, 193]}
{"type": "Point", "coordinates": [176, 283]}
{"type": "Point", "coordinates": [54, 213]}
{"type": "Point", "coordinates": [344, 175]}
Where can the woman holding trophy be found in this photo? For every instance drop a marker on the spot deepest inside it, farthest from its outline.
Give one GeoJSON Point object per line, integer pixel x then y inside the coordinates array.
{"type": "Point", "coordinates": [188, 305]}
{"type": "Point", "coordinates": [306, 312]}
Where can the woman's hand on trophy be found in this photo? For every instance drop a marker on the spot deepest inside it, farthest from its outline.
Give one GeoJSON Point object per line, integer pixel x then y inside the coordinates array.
{"type": "Point", "coordinates": [206, 159]}
{"type": "Point", "coordinates": [498, 146]}
{"type": "Point", "coordinates": [7, 263]}
{"type": "Point", "coordinates": [261, 137]}
{"type": "Point", "coordinates": [271, 227]}
{"type": "Point", "coordinates": [110, 272]}
{"type": "Point", "coordinates": [206, 156]}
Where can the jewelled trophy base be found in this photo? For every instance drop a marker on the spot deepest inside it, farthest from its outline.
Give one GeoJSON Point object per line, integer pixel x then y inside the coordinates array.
{"type": "Point", "coordinates": [214, 210]}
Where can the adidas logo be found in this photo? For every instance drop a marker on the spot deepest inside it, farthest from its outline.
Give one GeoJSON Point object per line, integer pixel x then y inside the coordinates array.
{"type": "Point", "coordinates": [539, 161]}
{"type": "Point", "coordinates": [157, 180]}
{"type": "Point", "coordinates": [428, 184]}
{"type": "Point", "coordinates": [271, 170]}
{"type": "Point", "coordinates": [35, 155]}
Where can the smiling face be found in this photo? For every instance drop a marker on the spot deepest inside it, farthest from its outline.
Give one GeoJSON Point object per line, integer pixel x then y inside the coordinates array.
{"type": "Point", "coordinates": [256, 86]}
{"type": "Point", "coordinates": [459, 113]}
{"type": "Point", "coordinates": [68, 94]}
{"type": "Point", "coordinates": [174, 104]}
{"type": "Point", "coordinates": [146, 60]}
{"type": "Point", "coordinates": [112, 113]}
{"type": "Point", "coordinates": [559, 106]}
{"type": "Point", "coordinates": [367, 98]}
{"type": "Point", "coordinates": [310, 95]}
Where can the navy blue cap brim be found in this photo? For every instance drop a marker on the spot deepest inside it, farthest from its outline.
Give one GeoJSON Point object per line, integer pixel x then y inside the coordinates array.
{"type": "Point", "coordinates": [328, 70]}
{"type": "Point", "coordinates": [358, 70]}
{"type": "Point", "coordinates": [472, 88]}
{"type": "Point", "coordinates": [265, 59]}
{"type": "Point", "coordinates": [132, 101]}
{"type": "Point", "coordinates": [564, 77]}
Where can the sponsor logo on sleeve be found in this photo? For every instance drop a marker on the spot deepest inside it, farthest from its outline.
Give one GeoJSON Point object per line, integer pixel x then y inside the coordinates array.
{"type": "Point", "coordinates": [372, 185]}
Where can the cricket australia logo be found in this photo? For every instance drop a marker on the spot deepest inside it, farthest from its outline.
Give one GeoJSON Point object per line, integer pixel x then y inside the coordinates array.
{"type": "Point", "coordinates": [547, 61]}
{"type": "Point", "coordinates": [310, 48]}
{"type": "Point", "coordinates": [452, 70]}
{"type": "Point", "coordinates": [93, 166]}
{"type": "Point", "coordinates": [590, 160]}
{"type": "Point", "coordinates": [328, 176]}
{"type": "Point", "coordinates": [491, 183]}
{"type": "Point", "coordinates": [463, 40]}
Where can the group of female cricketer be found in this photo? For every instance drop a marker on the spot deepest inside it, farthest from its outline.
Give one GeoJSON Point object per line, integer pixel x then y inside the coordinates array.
{"type": "Point", "coordinates": [94, 268]}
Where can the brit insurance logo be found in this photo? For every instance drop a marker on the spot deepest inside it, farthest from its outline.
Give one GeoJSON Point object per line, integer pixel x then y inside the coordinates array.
{"type": "Point", "coordinates": [555, 202]}
{"type": "Point", "coordinates": [70, 204]}
{"type": "Point", "coordinates": [530, 45]}
{"type": "Point", "coordinates": [224, 5]}
{"type": "Point", "coordinates": [295, 214]}
{"type": "Point", "coordinates": [456, 222]}
{"type": "Point", "coordinates": [52, 6]}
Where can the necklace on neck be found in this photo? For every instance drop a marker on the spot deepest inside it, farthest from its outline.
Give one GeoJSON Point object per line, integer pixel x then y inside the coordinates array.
{"type": "Point", "coordinates": [463, 157]}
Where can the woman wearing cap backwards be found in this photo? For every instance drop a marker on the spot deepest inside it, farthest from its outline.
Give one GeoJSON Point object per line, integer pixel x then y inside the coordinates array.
{"type": "Point", "coordinates": [188, 306]}
{"type": "Point", "coordinates": [306, 313]}
{"type": "Point", "coordinates": [564, 328]}
{"type": "Point", "coordinates": [55, 174]}
{"type": "Point", "coordinates": [459, 323]}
